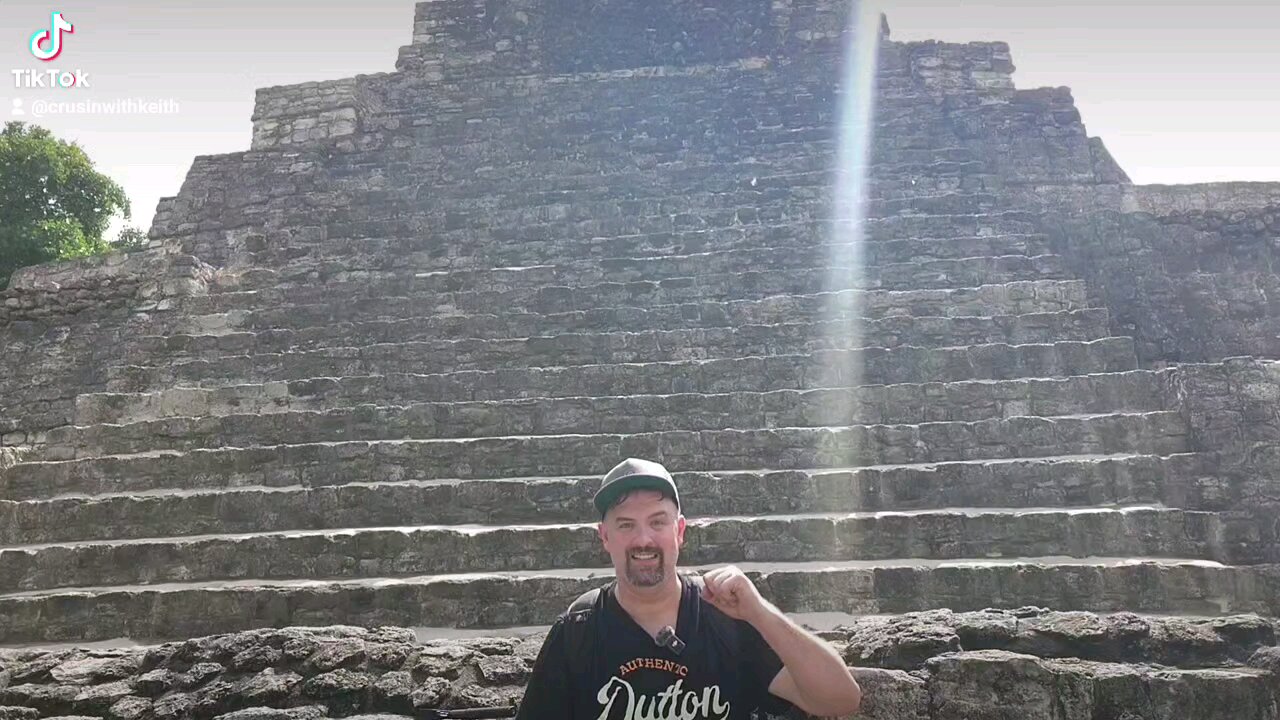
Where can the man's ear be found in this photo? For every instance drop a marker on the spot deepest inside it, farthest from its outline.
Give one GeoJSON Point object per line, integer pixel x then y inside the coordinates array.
{"type": "Point", "coordinates": [680, 525]}
{"type": "Point", "coordinates": [603, 532]}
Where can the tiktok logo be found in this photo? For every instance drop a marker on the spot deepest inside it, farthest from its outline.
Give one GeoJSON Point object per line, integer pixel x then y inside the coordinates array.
{"type": "Point", "coordinates": [47, 44]}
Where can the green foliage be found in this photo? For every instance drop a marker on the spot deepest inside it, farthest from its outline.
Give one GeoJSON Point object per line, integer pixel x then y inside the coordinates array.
{"type": "Point", "coordinates": [53, 204]}
{"type": "Point", "coordinates": [130, 239]}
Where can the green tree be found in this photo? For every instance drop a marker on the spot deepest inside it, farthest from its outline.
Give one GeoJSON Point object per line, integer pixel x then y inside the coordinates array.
{"type": "Point", "coordinates": [53, 204]}
{"type": "Point", "coordinates": [130, 239]}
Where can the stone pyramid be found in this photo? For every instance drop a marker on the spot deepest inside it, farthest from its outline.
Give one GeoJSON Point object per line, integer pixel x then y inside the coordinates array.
{"type": "Point", "coordinates": [1009, 439]}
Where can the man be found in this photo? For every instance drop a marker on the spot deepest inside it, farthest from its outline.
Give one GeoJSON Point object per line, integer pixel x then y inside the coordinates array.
{"type": "Point", "coordinates": [732, 653]}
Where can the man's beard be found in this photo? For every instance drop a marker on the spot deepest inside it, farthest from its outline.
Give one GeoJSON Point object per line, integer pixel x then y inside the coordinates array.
{"type": "Point", "coordinates": [647, 576]}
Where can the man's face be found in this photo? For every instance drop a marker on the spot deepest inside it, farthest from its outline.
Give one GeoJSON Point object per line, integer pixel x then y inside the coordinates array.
{"type": "Point", "coordinates": [643, 535]}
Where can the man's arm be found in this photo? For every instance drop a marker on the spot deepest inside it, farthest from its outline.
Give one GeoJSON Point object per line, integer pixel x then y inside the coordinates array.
{"type": "Point", "coordinates": [547, 696]}
{"type": "Point", "coordinates": [813, 676]}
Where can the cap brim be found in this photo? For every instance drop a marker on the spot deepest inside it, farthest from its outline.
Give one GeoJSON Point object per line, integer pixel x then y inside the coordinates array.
{"type": "Point", "coordinates": [606, 496]}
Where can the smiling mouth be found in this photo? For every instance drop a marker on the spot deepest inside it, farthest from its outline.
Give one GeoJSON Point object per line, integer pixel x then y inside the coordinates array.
{"type": "Point", "coordinates": [644, 556]}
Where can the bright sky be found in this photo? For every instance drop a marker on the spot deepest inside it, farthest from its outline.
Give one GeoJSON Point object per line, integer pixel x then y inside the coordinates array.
{"type": "Point", "coordinates": [1180, 92]}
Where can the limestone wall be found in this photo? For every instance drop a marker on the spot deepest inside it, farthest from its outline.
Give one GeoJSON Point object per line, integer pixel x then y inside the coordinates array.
{"type": "Point", "coordinates": [62, 322]}
{"type": "Point", "coordinates": [948, 68]}
{"type": "Point", "coordinates": [288, 115]}
{"type": "Point", "coordinates": [1189, 271]}
{"type": "Point", "coordinates": [442, 157]}
{"type": "Point", "coordinates": [938, 665]}
{"type": "Point", "coordinates": [459, 39]}
{"type": "Point", "coordinates": [1222, 197]}
{"type": "Point", "coordinates": [55, 292]}
{"type": "Point", "coordinates": [459, 164]}
{"type": "Point", "coordinates": [1233, 411]}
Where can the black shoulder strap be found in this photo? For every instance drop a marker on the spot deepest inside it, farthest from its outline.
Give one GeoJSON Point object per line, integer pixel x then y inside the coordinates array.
{"type": "Point", "coordinates": [723, 627]}
{"type": "Point", "coordinates": [578, 627]}
{"type": "Point", "coordinates": [580, 610]}
{"type": "Point", "coordinates": [585, 602]}
{"type": "Point", "coordinates": [579, 630]}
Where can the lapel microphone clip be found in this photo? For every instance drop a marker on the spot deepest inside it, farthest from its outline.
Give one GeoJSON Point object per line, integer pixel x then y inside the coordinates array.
{"type": "Point", "coordinates": [667, 639]}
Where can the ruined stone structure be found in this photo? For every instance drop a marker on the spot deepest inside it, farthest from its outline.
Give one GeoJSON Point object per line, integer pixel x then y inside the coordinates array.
{"type": "Point", "coordinates": [1019, 435]}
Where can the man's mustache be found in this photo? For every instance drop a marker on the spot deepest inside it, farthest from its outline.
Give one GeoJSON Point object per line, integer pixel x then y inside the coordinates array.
{"type": "Point", "coordinates": [654, 550]}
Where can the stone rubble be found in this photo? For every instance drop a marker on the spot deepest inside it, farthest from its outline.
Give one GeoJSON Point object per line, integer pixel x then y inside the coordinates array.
{"type": "Point", "coordinates": [1017, 426]}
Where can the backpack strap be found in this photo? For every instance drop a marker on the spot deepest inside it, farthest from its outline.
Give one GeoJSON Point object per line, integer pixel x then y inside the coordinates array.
{"type": "Point", "coordinates": [579, 630]}
{"type": "Point", "coordinates": [723, 627]}
{"type": "Point", "coordinates": [585, 603]}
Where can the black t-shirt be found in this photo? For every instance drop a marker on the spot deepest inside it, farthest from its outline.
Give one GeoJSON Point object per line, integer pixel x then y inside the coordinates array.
{"type": "Point", "coordinates": [624, 675]}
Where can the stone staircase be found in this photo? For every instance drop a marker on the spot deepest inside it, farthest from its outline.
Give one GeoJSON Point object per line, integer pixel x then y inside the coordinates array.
{"type": "Point", "coordinates": [419, 448]}
{"type": "Point", "coordinates": [394, 402]}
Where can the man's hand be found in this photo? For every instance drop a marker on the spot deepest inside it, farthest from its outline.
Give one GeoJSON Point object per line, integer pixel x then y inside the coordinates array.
{"type": "Point", "coordinates": [733, 593]}
{"type": "Point", "coordinates": [813, 676]}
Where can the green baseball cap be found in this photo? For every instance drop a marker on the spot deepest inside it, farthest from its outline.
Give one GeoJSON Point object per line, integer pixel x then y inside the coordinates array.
{"type": "Point", "coordinates": [634, 474]}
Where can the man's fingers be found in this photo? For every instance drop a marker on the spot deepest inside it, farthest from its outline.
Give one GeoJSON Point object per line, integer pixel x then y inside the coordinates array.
{"type": "Point", "coordinates": [721, 585]}
{"type": "Point", "coordinates": [712, 581]}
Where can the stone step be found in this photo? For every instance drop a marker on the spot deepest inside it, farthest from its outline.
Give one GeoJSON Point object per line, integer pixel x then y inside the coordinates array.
{"type": "Point", "coordinates": [345, 553]}
{"type": "Point", "coordinates": [907, 180]}
{"type": "Point", "coordinates": [539, 183]}
{"type": "Point", "coordinates": [925, 238]}
{"type": "Point", "coordinates": [746, 183]}
{"type": "Point", "coordinates": [365, 255]}
{"type": "Point", "coordinates": [611, 145]}
{"type": "Point", "coordinates": [965, 685]}
{"type": "Point", "coordinates": [200, 426]}
{"type": "Point", "coordinates": [334, 462]}
{"type": "Point", "coordinates": [404, 319]}
{"type": "Point", "coordinates": [934, 664]}
{"type": "Point", "coordinates": [225, 355]}
{"type": "Point", "coordinates": [736, 306]}
{"type": "Point", "coordinates": [1061, 481]}
{"type": "Point", "coordinates": [719, 270]}
{"type": "Point", "coordinates": [807, 221]}
{"type": "Point", "coordinates": [598, 170]}
{"type": "Point", "coordinates": [907, 665]}
{"type": "Point", "coordinates": [614, 144]}
{"type": "Point", "coordinates": [915, 640]}
{"type": "Point", "coordinates": [291, 302]}
{"type": "Point", "coordinates": [971, 177]}
{"type": "Point", "coordinates": [903, 403]}
{"type": "Point", "coordinates": [799, 194]}
{"type": "Point", "coordinates": [592, 209]}
{"type": "Point", "coordinates": [771, 189]}
{"type": "Point", "coordinates": [809, 291]}
{"type": "Point", "coordinates": [802, 144]}
{"type": "Point", "coordinates": [758, 373]}
{"type": "Point", "coordinates": [678, 179]}
{"type": "Point", "coordinates": [529, 598]}
{"type": "Point", "coordinates": [790, 195]}
{"type": "Point", "coordinates": [658, 334]}
{"type": "Point", "coordinates": [828, 368]}
{"type": "Point", "coordinates": [910, 125]}
{"type": "Point", "coordinates": [570, 349]}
